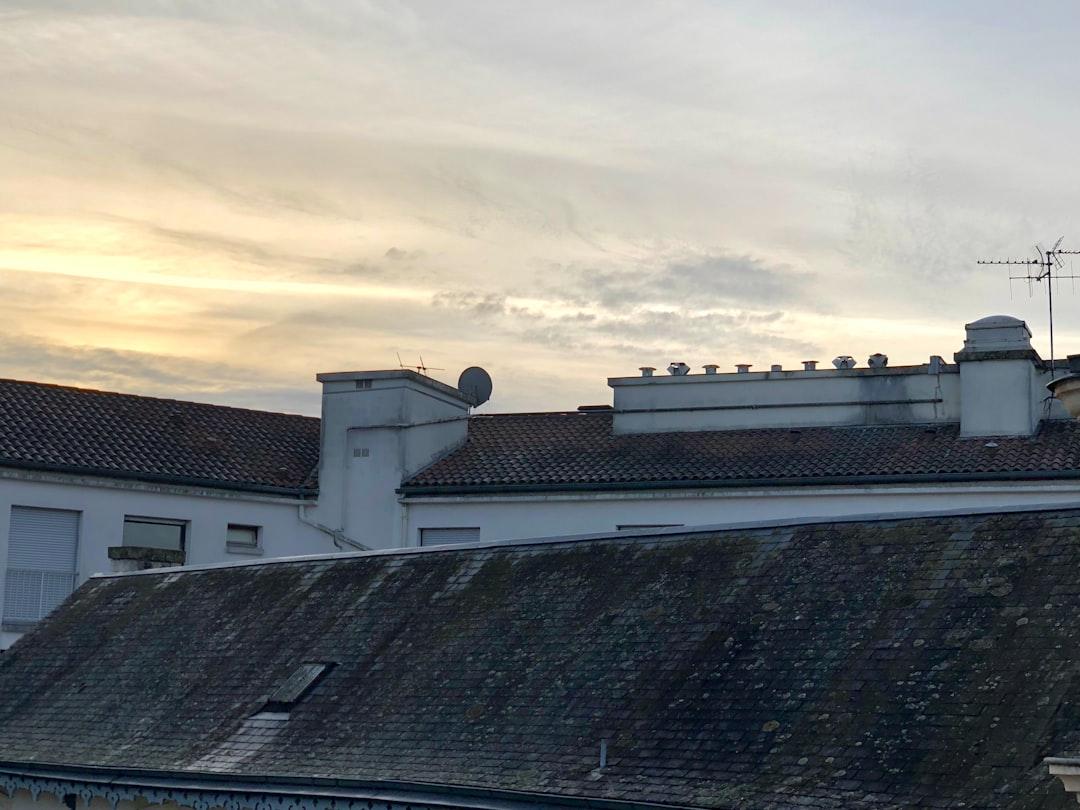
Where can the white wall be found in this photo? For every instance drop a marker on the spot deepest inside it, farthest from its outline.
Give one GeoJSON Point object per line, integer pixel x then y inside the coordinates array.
{"type": "Point", "coordinates": [514, 517]}
{"type": "Point", "coordinates": [104, 503]}
{"type": "Point", "coordinates": [861, 396]}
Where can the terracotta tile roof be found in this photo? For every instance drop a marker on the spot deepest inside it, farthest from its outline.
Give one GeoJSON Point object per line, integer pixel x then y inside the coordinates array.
{"type": "Point", "coordinates": [58, 428]}
{"type": "Point", "coordinates": [926, 662]}
{"type": "Point", "coordinates": [550, 450]}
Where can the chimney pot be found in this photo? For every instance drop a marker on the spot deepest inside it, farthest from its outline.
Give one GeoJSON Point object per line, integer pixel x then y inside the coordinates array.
{"type": "Point", "coordinates": [743, 368]}
{"type": "Point", "coordinates": [776, 367]}
{"type": "Point", "coordinates": [647, 371]}
{"type": "Point", "coordinates": [809, 365]}
{"type": "Point", "coordinates": [710, 368]}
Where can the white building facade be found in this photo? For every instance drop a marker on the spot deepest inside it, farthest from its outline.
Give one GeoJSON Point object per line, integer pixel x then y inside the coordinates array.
{"type": "Point", "coordinates": [62, 529]}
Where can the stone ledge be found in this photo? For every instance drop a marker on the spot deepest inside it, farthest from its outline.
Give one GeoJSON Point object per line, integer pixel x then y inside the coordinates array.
{"type": "Point", "coordinates": [145, 554]}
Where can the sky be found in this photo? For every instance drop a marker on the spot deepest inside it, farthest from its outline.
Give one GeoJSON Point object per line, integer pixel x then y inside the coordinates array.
{"type": "Point", "coordinates": [215, 201]}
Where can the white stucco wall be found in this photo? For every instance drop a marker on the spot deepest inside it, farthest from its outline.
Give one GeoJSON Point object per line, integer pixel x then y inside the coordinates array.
{"type": "Point", "coordinates": [515, 517]}
{"type": "Point", "coordinates": [103, 505]}
{"type": "Point", "coordinates": [785, 399]}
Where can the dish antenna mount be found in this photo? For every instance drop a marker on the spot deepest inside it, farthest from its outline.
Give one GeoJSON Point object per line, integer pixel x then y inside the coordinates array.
{"type": "Point", "coordinates": [475, 384]}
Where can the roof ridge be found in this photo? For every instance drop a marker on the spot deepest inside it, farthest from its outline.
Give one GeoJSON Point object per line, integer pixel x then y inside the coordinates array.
{"type": "Point", "coordinates": [124, 394]}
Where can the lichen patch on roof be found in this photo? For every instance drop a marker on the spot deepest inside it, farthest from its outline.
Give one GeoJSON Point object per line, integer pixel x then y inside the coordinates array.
{"type": "Point", "coordinates": [902, 662]}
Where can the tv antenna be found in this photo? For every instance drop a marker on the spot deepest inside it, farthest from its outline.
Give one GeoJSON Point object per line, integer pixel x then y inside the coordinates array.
{"type": "Point", "coordinates": [1047, 261]}
{"type": "Point", "coordinates": [420, 368]}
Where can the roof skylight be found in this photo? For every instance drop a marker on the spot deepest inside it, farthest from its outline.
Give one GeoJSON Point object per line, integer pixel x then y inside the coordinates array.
{"type": "Point", "coordinates": [297, 686]}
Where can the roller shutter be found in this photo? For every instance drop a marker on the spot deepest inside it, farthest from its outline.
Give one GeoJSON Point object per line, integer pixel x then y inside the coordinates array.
{"type": "Point", "coordinates": [42, 549]}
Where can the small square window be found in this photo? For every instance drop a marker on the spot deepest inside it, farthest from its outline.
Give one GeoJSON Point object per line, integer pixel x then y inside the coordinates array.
{"type": "Point", "coordinates": [243, 539]}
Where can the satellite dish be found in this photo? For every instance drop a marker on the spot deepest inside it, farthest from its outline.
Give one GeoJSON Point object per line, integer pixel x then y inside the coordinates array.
{"type": "Point", "coordinates": [475, 384]}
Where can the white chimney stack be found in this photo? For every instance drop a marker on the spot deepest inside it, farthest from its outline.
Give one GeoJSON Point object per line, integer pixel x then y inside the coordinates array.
{"type": "Point", "coordinates": [378, 428]}
{"type": "Point", "coordinates": [999, 394]}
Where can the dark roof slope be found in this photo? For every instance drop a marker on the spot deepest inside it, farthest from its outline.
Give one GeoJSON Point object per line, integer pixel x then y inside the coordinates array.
{"type": "Point", "coordinates": [54, 427]}
{"type": "Point", "coordinates": [929, 662]}
{"type": "Point", "coordinates": [560, 450]}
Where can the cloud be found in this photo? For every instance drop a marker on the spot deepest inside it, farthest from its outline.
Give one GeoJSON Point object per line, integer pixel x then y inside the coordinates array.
{"type": "Point", "coordinates": [26, 357]}
{"type": "Point", "coordinates": [704, 280]}
{"type": "Point", "coordinates": [396, 254]}
{"type": "Point", "coordinates": [563, 194]}
{"type": "Point", "coordinates": [482, 305]}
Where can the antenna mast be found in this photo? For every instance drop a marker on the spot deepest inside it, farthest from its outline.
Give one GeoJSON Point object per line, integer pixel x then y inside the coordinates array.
{"type": "Point", "coordinates": [1047, 262]}
{"type": "Point", "coordinates": [419, 368]}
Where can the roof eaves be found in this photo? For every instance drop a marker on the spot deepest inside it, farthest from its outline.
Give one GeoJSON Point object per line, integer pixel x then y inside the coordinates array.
{"type": "Point", "coordinates": [408, 489]}
{"type": "Point", "coordinates": [401, 793]}
{"type": "Point", "coordinates": [159, 478]}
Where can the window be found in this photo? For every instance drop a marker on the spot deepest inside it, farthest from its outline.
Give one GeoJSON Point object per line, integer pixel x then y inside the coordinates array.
{"type": "Point", "coordinates": [442, 537]}
{"type": "Point", "coordinates": [297, 686]}
{"type": "Point", "coordinates": [42, 550]}
{"type": "Point", "coordinates": [242, 539]}
{"type": "Point", "coordinates": [148, 532]}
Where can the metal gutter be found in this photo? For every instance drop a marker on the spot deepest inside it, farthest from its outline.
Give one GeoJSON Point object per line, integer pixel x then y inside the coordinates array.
{"type": "Point", "coordinates": [740, 483]}
{"type": "Point", "coordinates": [405, 793]}
{"type": "Point", "coordinates": [161, 478]}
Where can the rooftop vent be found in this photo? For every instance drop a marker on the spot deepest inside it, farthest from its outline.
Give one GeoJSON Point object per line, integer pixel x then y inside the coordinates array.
{"type": "Point", "coordinates": [647, 371]}
{"type": "Point", "coordinates": [678, 369]}
{"type": "Point", "coordinates": [878, 360]}
{"type": "Point", "coordinates": [844, 361]}
{"type": "Point", "coordinates": [743, 368]}
{"type": "Point", "coordinates": [809, 365]}
{"type": "Point", "coordinates": [297, 686]}
{"type": "Point", "coordinates": [776, 367]}
{"type": "Point", "coordinates": [710, 368]}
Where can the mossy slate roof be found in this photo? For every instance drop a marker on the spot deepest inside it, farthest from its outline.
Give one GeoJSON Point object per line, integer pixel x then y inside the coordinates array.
{"type": "Point", "coordinates": [78, 430]}
{"type": "Point", "coordinates": [907, 662]}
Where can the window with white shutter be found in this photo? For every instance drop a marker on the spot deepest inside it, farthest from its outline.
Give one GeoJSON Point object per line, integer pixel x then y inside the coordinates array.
{"type": "Point", "coordinates": [444, 536]}
{"type": "Point", "coordinates": [42, 551]}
